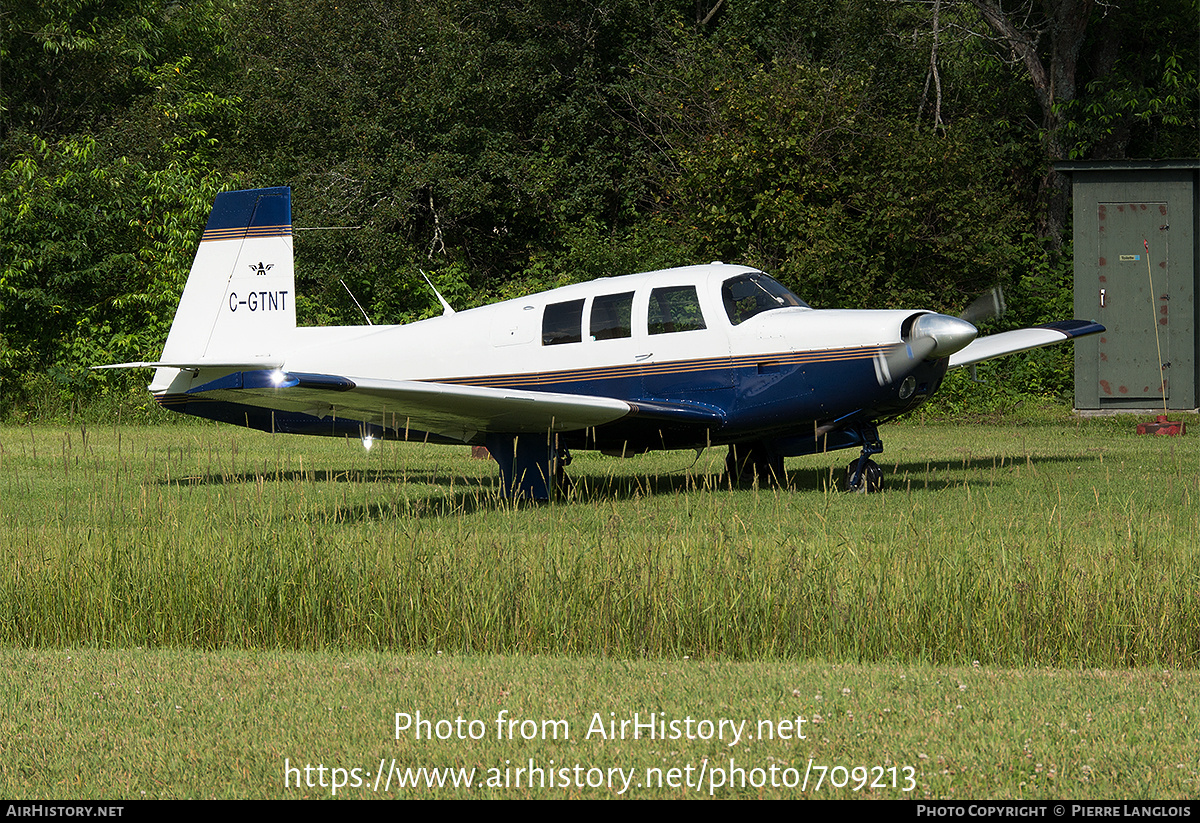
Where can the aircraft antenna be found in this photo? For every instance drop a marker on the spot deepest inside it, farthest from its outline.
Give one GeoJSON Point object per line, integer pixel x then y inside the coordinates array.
{"type": "Point", "coordinates": [355, 299]}
{"type": "Point", "coordinates": [445, 306]}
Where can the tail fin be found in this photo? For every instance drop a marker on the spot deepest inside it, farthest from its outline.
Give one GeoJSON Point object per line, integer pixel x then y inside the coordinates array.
{"type": "Point", "coordinates": [239, 305]}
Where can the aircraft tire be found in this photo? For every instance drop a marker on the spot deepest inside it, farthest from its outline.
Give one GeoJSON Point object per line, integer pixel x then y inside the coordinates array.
{"type": "Point", "coordinates": [871, 480]}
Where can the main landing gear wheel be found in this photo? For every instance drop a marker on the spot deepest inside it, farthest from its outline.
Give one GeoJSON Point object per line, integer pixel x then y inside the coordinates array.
{"type": "Point", "coordinates": [868, 479]}
{"type": "Point", "coordinates": [747, 464]}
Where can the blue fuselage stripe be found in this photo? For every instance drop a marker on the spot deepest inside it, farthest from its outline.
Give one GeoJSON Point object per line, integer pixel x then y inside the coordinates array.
{"type": "Point", "coordinates": [774, 396]}
{"type": "Point", "coordinates": [770, 391]}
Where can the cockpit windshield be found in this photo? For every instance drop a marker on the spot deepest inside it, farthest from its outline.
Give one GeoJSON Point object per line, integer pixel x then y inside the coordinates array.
{"type": "Point", "coordinates": [749, 294]}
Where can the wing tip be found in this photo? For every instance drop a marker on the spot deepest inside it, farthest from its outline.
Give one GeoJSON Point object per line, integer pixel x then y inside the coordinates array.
{"type": "Point", "coordinates": [1074, 328]}
{"type": "Point", "coordinates": [1020, 340]}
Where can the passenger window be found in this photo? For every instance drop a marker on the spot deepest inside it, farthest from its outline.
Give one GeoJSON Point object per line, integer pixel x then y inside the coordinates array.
{"type": "Point", "coordinates": [675, 309]}
{"type": "Point", "coordinates": [612, 316]}
{"type": "Point", "coordinates": [563, 323]}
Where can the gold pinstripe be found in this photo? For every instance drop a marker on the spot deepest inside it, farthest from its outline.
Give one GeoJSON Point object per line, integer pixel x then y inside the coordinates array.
{"type": "Point", "coordinates": [510, 381]}
{"type": "Point", "coordinates": [243, 233]}
{"type": "Point", "coordinates": [535, 379]}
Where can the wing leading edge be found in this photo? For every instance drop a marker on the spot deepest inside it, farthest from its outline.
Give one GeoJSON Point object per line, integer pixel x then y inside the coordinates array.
{"type": "Point", "coordinates": [1011, 342]}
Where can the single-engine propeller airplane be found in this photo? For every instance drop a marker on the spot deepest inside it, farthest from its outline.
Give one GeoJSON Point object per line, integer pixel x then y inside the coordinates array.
{"type": "Point", "coordinates": [684, 358]}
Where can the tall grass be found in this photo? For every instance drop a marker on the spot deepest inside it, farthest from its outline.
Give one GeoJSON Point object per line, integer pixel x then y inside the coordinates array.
{"type": "Point", "coordinates": [1071, 544]}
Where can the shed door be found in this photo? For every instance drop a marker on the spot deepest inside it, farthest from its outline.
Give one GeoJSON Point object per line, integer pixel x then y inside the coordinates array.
{"type": "Point", "coordinates": [1134, 300]}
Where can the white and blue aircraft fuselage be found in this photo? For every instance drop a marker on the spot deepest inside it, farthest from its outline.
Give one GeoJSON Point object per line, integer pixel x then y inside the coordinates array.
{"type": "Point", "coordinates": [682, 358]}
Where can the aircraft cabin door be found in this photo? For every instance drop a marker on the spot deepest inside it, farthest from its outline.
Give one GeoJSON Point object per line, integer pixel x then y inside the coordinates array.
{"type": "Point", "coordinates": [686, 357]}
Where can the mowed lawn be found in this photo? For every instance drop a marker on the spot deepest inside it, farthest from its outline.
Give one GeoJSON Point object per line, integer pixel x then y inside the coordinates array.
{"type": "Point", "coordinates": [1015, 616]}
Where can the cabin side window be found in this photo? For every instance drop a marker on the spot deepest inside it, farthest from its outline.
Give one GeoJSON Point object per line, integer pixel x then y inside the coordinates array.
{"type": "Point", "coordinates": [612, 316]}
{"type": "Point", "coordinates": [675, 309]}
{"type": "Point", "coordinates": [562, 323]}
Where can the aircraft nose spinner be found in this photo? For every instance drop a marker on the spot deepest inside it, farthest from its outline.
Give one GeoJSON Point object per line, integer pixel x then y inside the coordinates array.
{"type": "Point", "coordinates": [949, 334]}
{"type": "Point", "coordinates": [928, 337]}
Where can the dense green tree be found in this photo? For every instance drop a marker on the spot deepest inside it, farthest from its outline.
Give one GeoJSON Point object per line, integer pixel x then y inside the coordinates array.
{"type": "Point", "coordinates": [1140, 88]}
{"type": "Point", "coordinates": [1098, 72]}
{"type": "Point", "coordinates": [796, 168]}
{"type": "Point", "coordinates": [470, 138]}
{"type": "Point", "coordinates": [70, 66]}
{"type": "Point", "coordinates": [105, 177]}
{"type": "Point", "coordinates": [870, 153]}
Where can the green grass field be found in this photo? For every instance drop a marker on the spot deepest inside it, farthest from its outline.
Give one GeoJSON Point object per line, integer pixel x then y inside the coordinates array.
{"type": "Point", "coordinates": [1046, 571]}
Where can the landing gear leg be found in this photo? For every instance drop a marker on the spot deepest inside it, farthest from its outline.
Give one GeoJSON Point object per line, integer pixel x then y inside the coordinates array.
{"type": "Point", "coordinates": [526, 464]}
{"type": "Point", "coordinates": [562, 459]}
{"type": "Point", "coordinates": [749, 462]}
{"type": "Point", "coordinates": [864, 475]}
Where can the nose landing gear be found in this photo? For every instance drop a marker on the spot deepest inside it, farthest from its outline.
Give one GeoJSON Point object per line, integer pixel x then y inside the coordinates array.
{"type": "Point", "coordinates": [864, 475]}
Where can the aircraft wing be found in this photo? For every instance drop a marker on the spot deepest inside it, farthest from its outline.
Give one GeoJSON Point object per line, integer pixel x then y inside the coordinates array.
{"type": "Point", "coordinates": [1011, 342]}
{"type": "Point", "coordinates": [452, 410]}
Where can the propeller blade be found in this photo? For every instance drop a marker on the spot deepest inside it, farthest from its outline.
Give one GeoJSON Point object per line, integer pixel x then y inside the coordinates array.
{"type": "Point", "coordinates": [987, 306]}
{"type": "Point", "coordinates": [895, 362]}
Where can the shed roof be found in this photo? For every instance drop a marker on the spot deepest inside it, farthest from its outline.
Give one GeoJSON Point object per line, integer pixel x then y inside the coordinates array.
{"type": "Point", "coordinates": [1174, 164]}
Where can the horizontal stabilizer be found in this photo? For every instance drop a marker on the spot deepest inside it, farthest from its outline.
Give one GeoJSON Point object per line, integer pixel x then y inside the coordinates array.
{"type": "Point", "coordinates": [197, 364]}
{"type": "Point", "coordinates": [1011, 342]}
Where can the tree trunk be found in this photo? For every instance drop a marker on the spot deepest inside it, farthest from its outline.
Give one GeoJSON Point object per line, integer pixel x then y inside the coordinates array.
{"type": "Point", "coordinates": [1064, 24]}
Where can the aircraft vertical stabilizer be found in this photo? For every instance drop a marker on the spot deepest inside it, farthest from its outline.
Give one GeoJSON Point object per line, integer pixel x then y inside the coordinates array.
{"type": "Point", "coordinates": [239, 302]}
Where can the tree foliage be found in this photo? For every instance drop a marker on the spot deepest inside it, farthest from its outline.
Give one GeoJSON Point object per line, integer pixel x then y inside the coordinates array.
{"type": "Point", "coordinates": [106, 179]}
{"type": "Point", "coordinates": [871, 154]}
{"type": "Point", "coordinates": [1097, 72]}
